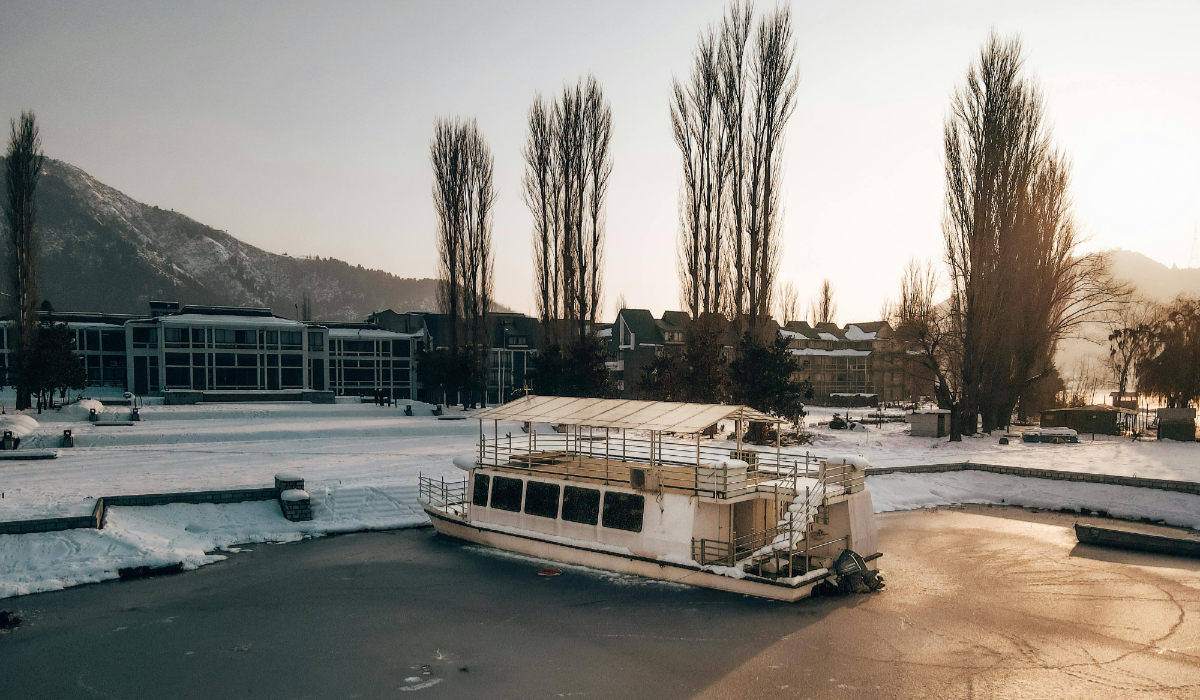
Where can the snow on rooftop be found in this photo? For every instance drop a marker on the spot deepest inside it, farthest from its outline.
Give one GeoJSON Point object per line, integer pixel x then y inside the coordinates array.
{"type": "Point", "coordinates": [853, 332]}
{"type": "Point", "coordinates": [828, 336]}
{"type": "Point", "coordinates": [367, 333]}
{"type": "Point", "coordinates": [223, 320]}
{"type": "Point", "coordinates": [846, 352]}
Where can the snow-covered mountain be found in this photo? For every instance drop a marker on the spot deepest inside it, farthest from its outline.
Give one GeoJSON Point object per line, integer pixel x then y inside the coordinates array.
{"type": "Point", "coordinates": [103, 251]}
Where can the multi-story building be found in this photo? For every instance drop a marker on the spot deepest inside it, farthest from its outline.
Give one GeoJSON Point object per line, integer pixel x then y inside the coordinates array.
{"type": "Point", "coordinates": [860, 364]}
{"type": "Point", "coordinates": [364, 359]}
{"type": "Point", "coordinates": [223, 349]}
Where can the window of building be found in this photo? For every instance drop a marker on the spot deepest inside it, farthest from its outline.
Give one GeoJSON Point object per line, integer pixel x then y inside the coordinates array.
{"type": "Point", "coordinates": [401, 348]}
{"type": "Point", "coordinates": [479, 496]}
{"type": "Point", "coordinates": [518, 340]}
{"type": "Point", "coordinates": [541, 499]}
{"type": "Point", "coordinates": [145, 337]}
{"type": "Point", "coordinates": [581, 505]}
{"type": "Point", "coordinates": [175, 337]}
{"type": "Point", "coordinates": [292, 377]}
{"type": "Point", "coordinates": [272, 338]}
{"type": "Point", "coordinates": [316, 341]}
{"type": "Point", "coordinates": [112, 341]}
{"type": "Point", "coordinates": [114, 369]}
{"type": "Point", "coordinates": [198, 337]}
{"type": "Point", "coordinates": [291, 339]}
{"type": "Point", "coordinates": [363, 347]}
{"type": "Point", "coordinates": [506, 494]}
{"type": "Point", "coordinates": [623, 511]}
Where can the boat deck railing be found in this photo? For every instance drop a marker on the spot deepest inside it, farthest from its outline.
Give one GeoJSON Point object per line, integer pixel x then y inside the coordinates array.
{"type": "Point", "coordinates": [690, 465]}
{"type": "Point", "coordinates": [448, 496]}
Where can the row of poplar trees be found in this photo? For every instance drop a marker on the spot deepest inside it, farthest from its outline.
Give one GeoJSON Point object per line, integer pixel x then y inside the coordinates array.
{"type": "Point", "coordinates": [729, 118]}
{"type": "Point", "coordinates": [568, 162]}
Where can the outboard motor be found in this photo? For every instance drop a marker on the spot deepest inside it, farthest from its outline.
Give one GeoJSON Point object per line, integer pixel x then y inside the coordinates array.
{"type": "Point", "coordinates": [853, 574]}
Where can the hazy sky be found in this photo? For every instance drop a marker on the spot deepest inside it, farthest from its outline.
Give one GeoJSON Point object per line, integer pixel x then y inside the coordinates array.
{"type": "Point", "coordinates": [304, 127]}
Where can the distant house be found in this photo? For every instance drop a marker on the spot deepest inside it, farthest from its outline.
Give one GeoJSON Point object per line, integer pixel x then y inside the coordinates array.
{"type": "Point", "coordinates": [636, 338]}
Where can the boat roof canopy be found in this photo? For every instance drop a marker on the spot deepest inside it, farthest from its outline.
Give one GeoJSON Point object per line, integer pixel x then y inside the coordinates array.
{"type": "Point", "coordinates": [622, 413]}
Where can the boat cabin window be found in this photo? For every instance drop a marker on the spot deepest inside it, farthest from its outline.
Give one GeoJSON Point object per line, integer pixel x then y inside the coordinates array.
{"type": "Point", "coordinates": [581, 505]}
{"type": "Point", "coordinates": [541, 499]}
{"type": "Point", "coordinates": [623, 511]}
{"type": "Point", "coordinates": [506, 494]}
{"type": "Point", "coordinates": [480, 496]}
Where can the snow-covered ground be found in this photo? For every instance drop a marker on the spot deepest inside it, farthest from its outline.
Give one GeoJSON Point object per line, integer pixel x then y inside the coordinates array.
{"type": "Point", "coordinates": [361, 462]}
{"type": "Point", "coordinates": [889, 445]}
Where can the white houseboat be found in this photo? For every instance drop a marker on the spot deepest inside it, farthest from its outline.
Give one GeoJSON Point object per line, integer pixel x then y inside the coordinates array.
{"type": "Point", "coordinates": [636, 487]}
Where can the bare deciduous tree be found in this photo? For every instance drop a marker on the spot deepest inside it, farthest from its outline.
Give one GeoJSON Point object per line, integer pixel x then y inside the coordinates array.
{"type": "Point", "coordinates": [620, 305]}
{"type": "Point", "coordinates": [464, 196]}
{"type": "Point", "coordinates": [787, 303]}
{"type": "Point", "coordinates": [925, 330]}
{"type": "Point", "coordinates": [699, 131]}
{"type": "Point", "coordinates": [23, 167]}
{"type": "Point", "coordinates": [538, 191]}
{"type": "Point", "coordinates": [729, 120]}
{"type": "Point", "coordinates": [823, 309]}
{"type": "Point", "coordinates": [1130, 329]}
{"type": "Point", "coordinates": [1018, 284]}
{"type": "Point", "coordinates": [775, 80]}
{"type": "Point", "coordinates": [568, 162]}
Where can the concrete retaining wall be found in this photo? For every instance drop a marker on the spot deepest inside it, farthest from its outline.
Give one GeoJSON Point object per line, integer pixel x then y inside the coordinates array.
{"type": "Point", "coordinates": [96, 519]}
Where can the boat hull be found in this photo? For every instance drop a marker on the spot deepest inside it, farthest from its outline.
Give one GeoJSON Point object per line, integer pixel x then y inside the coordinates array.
{"type": "Point", "coordinates": [457, 528]}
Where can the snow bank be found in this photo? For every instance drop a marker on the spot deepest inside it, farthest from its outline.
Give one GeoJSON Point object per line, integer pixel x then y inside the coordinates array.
{"type": "Point", "coordinates": [187, 534]}
{"type": "Point", "coordinates": [154, 536]}
{"type": "Point", "coordinates": [890, 492]}
{"type": "Point", "coordinates": [20, 424]}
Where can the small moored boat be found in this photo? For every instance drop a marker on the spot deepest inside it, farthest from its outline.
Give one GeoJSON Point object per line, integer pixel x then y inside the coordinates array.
{"type": "Point", "coordinates": [633, 487]}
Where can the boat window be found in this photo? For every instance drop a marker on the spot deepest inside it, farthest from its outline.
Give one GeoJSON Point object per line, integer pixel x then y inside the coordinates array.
{"type": "Point", "coordinates": [506, 494]}
{"type": "Point", "coordinates": [480, 494]}
{"type": "Point", "coordinates": [541, 499]}
{"type": "Point", "coordinates": [581, 505]}
{"type": "Point", "coordinates": [623, 511]}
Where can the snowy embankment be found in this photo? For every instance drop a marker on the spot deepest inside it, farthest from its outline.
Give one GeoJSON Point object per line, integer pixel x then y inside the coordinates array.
{"type": "Point", "coordinates": [190, 535]}
{"type": "Point", "coordinates": [891, 492]}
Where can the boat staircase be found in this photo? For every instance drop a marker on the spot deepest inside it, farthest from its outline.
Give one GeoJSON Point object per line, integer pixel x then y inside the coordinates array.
{"type": "Point", "coordinates": [789, 547]}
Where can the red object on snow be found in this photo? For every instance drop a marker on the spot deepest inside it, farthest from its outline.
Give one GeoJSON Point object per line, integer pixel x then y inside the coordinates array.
{"type": "Point", "coordinates": [550, 572]}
